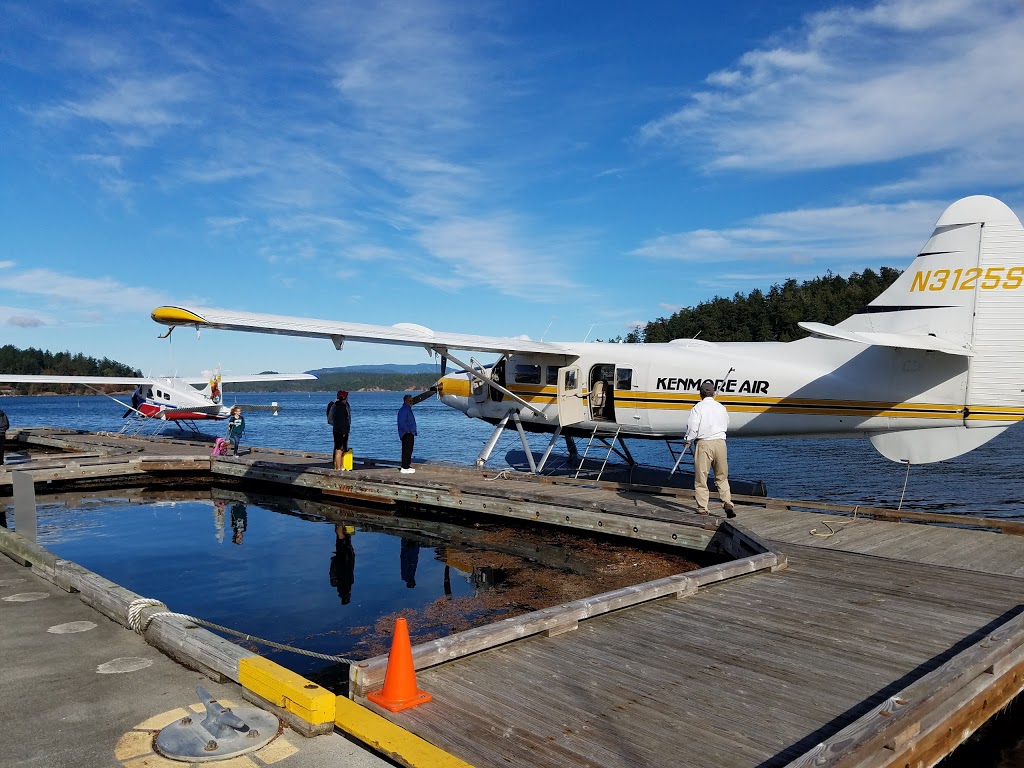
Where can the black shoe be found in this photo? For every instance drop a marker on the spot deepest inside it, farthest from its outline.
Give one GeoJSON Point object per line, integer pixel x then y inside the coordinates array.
{"type": "Point", "coordinates": [729, 510]}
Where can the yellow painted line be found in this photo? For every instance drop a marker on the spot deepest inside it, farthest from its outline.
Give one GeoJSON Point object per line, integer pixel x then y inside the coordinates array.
{"type": "Point", "coordinates": [390, 739]}
{"type": "Point", "coordinates": [135, 744]}
{"type": "Point", "coordinates": [287, 690]}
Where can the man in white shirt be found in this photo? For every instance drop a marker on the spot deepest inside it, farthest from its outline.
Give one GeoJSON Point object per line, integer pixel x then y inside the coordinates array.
{"type": "Point", "coordinates": [706, 429]}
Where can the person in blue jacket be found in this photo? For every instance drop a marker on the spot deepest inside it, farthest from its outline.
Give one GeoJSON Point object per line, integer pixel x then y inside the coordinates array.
{"type": "Point", "coordinates": [407, 433]}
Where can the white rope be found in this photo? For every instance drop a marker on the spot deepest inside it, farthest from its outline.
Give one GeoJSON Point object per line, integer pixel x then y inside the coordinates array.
{"type": "Point", "coordinates": [905, 479]}
{"type": "Point", "coordinates": [139, 624]}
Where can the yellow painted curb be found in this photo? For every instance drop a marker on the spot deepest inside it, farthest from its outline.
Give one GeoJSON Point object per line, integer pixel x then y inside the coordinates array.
{"type": "Point", "coordinates": [390, 739]}
{"type": "Point", "coordinates": [285, 689]}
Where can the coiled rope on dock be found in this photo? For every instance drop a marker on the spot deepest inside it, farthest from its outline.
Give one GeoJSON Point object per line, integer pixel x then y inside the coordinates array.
{"type": "Point", "coordinates": [139, 623]}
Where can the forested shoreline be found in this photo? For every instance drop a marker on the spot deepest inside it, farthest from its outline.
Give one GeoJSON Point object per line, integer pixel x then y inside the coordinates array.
{"type": "Point", "coordinates": [771, 315]}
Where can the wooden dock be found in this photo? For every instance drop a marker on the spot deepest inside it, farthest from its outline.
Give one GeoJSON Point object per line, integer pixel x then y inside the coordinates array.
{"type": "Point", "coordinates": [833, 635]}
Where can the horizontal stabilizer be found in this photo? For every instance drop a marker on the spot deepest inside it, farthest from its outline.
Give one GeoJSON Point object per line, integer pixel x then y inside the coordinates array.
{"type": "Point", "coordinates": [896, 340]}
{"type": "Point", "coordinates": [272, 408]}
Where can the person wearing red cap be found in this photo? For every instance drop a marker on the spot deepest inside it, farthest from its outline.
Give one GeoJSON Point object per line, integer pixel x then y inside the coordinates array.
{"type": "Point", "coordinates": [339, 416]}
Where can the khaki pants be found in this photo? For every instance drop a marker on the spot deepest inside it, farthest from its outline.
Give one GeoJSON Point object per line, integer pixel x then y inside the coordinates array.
{"type": "Point", "coordinates": [709, 454]}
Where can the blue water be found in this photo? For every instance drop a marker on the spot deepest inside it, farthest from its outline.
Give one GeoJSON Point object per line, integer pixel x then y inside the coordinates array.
{"type": "Point", "coordinates": [988, 481]}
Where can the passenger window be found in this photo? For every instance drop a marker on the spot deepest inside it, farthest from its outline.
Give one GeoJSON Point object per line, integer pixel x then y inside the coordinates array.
{"type": "Point", "coordinates": [527, 374]}
{"type": "Point", "coordinates": [623, 378]}
{"type": "Point", "coordinates": [552, 379]}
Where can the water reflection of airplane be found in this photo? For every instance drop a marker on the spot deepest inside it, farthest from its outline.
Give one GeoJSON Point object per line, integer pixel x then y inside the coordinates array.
{"type": "Point", "coordinates": [168, 398]}
{"type": "Point", "coordinates": [481, 577]}
{"type": "Point", "coordinates": [927, 371]}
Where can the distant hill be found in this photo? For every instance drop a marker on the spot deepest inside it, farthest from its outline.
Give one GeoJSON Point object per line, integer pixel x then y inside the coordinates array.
{"type": "Point", "coordinates": [37, 362]}
{"type": "Point", "coordinates": [383, 368]}
{"type": "Point", "coordinates": [354, 379]}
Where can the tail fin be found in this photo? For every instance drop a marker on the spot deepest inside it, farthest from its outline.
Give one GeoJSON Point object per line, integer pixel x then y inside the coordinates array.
{"type": "Point", "coordinates": [215, 388]}
{"type": "Point", "coordinates": [965, 289]}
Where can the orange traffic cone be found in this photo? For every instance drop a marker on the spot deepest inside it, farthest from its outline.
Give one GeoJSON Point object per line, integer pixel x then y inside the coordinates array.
{"type": "Point", "coordinates": [399, 691]}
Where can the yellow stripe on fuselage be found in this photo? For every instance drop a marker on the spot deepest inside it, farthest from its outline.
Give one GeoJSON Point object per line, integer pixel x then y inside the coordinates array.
{"type": "Point", "coordinates": [665, 401]}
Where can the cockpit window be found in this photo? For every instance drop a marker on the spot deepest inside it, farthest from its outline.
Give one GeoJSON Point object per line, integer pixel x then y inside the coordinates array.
{"type": "Point", "coordinates": [527, 374]}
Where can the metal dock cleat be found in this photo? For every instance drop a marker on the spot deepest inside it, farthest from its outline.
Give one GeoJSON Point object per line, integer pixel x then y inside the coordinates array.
{"type": "Point", "coordinates": [223, 733]}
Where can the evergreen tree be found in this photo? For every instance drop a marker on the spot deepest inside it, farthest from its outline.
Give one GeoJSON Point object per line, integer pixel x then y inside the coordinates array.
{"type": "Point", "coordinates": [771, 316]}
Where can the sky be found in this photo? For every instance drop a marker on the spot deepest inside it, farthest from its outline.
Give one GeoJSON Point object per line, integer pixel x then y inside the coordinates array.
{"type": "Point", "coordinates": [564, 171]}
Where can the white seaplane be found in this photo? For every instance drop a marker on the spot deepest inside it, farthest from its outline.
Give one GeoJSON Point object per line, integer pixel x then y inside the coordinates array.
{"type": "Point", "coordinates": [931, 369]}
{"type": "Point", "coordinates": [168, 398]}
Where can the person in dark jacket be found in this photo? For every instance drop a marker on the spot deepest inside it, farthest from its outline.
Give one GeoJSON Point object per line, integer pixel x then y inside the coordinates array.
{"type": "Point", "coordinates": [5, 424]}
{"type": "Point", "coordinates": [339, 416]}
{"type": "Point", "coordinates": [343, 563]}
{"type": "Point", "coordinates": [407, 433]}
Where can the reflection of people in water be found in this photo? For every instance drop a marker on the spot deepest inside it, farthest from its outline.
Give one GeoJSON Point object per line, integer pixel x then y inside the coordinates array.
{"type": "Point", "coordinates": [343, 563]}
{"type": "Point", "coordinates": [239, 519]}
{"type": "Point", "coordinates": [218, 520]}
{"type": "Point", "coordinates": [409, 558]}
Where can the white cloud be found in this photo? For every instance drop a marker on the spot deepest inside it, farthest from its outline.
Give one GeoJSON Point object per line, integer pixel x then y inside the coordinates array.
{"type": "Point", "coordinates": [6, 264]}
{"type": "Point", "coordinates": [131, 102]}
{"type": "Point", "coordinates": [19, 317]}
{"type": "Point", "coordinates": [225, 223]}
{"type": "Point", "coordinates": [484, 252]}
{"type": "Point", "coordinates": [901, 79]}
{"type": "Point", "coordinates": [870, 234]}
{"type": "Point", "coordinates": [62, 289]}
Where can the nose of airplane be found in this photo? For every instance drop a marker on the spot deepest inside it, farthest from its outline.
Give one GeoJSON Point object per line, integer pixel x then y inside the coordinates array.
{"type": "Point", "coordinates": [455, 391]}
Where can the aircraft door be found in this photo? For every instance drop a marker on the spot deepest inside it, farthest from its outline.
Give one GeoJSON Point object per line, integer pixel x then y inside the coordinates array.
{"type": "Point", "coordinates": [628, 410]}
{"type": "Point", "coordinates": [478, 386]}
{"type": "Point", "coordinates": [571, 406]}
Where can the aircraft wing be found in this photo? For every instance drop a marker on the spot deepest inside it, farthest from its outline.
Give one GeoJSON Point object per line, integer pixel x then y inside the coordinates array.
{"type": "Point", "coordinates": [136, 381]}
{"type": "Point", "coordinates": [405, 334]}
{"type": "Point", "coordinates": [900, 340]}
{"type": "Point", "coordinates": [253, 377]}
{"type": "Point", "coordinates": [86, 380]}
